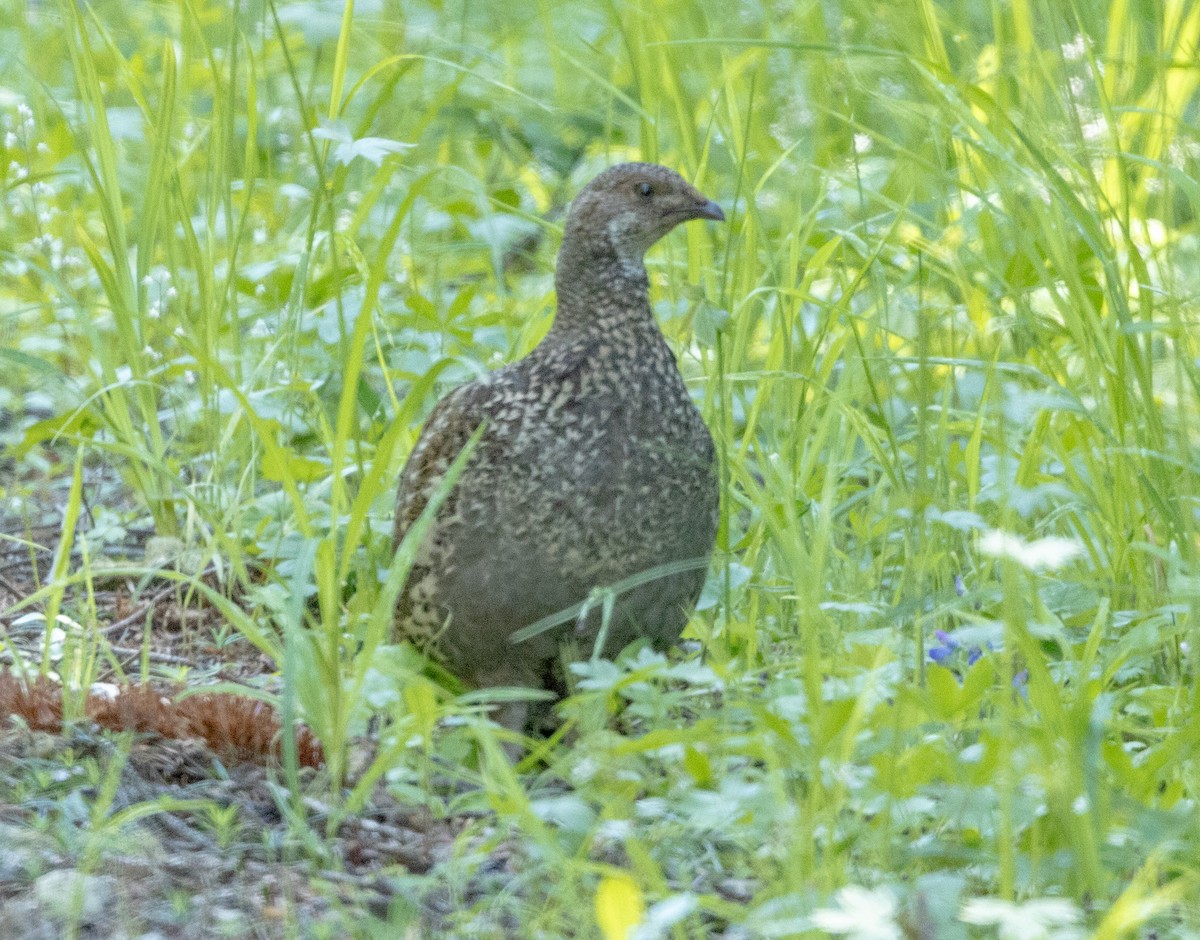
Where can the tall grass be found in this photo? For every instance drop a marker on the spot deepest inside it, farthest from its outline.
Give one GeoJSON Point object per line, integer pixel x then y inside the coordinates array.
{"type": "Point", "coordinates": [946, 344]}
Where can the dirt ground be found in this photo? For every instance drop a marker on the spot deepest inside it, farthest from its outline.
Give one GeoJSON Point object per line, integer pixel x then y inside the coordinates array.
{"type": "Point", "coordinates": [121, 835]}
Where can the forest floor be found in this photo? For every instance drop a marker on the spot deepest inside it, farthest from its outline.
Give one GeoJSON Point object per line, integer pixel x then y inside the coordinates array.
{"type": "Point", "coordinates": [169, 837]}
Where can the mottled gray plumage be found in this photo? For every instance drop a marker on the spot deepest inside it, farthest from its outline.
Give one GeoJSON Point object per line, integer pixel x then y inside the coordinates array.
{"type": "Point", "coordinates": [594, 465]}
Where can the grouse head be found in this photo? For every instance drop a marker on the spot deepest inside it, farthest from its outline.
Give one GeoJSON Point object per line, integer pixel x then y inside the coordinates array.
{"type": "Point", "coordinates": [629, 207]}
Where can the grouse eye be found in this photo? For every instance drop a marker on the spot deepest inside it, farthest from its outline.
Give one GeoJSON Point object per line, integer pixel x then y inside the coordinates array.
{"type": "Point", "coordinates": [645, 189]}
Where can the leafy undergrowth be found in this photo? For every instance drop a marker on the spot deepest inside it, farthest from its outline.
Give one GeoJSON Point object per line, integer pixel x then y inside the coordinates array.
{"type": "Point", "coordinates": [943, 678]}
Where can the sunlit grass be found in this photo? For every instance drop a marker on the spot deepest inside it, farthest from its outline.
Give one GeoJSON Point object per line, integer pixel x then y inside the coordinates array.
{"type": "Point", "coordinates": [947, 344]}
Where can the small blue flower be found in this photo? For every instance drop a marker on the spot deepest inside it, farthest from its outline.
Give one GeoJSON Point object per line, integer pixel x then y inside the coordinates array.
{"type": "Point", "coordinates": [951, 652]}
{"type": "Point", "coordinates": [939, 654]}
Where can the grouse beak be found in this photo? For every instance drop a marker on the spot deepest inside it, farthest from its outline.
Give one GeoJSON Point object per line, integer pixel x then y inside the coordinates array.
{"type": "Point", "coordinates": [710, 210]}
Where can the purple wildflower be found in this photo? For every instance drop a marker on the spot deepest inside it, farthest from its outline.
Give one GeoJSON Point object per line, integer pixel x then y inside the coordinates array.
{"type": "Point", "coordinates": [951, 651]}
{"type": "Point", "coordinates": [939, 654]}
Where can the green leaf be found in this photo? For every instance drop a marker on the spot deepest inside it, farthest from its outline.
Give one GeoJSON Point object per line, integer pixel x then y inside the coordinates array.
{"type": "Point", "coordinates": [279, 465]}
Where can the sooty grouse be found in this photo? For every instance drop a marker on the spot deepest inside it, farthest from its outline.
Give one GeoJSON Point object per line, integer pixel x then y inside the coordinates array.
{"type": "Point", "coordinates": [594, 465]}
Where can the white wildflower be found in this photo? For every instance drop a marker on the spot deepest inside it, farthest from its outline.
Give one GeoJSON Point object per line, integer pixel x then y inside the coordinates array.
{"type": "Point", "coordinates": [861, 914]}
{"type": "Point", "coordinates": [1074, 50]}
{"type": "Point", "coordinates": [1049, 553]}
{"type": "Point", "coordinates": [862, 143]}
{"type": "Point", "coordinates": [1038, 919]}
{"type": "Point", "coordinates": [259, 330]}
{"type": "Point", "coordinates": [1094, 130]}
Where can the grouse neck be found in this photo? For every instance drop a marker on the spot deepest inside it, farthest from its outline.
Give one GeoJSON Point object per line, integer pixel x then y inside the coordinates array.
{"type": "Point", "coordinates": [600, 292]}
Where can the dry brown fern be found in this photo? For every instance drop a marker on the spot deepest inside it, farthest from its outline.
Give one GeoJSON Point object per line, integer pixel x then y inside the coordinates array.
{"type": "Point", "coordinates": [234, 727]}
{"type": "Point", "coordinates": [38, 703]}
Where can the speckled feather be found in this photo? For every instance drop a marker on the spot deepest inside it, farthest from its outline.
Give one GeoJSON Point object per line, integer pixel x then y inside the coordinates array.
{"type": "Point", "coordinates": [594, 464]}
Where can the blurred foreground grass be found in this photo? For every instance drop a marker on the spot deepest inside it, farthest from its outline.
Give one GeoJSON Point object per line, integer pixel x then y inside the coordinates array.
{"type": "Point", "coordinates": [947, 344]}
